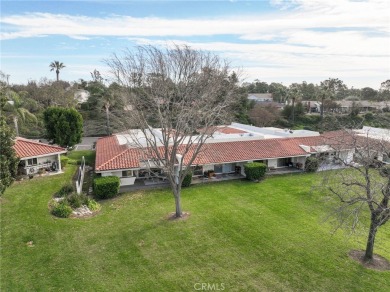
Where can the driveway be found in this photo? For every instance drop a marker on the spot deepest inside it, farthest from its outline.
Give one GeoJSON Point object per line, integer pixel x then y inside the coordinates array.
{"type": "Point", "coordinates": [87, 143]}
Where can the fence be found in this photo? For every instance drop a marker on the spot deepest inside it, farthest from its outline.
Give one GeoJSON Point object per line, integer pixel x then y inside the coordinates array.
{"type": "Point", "coordinates": [80, 176]}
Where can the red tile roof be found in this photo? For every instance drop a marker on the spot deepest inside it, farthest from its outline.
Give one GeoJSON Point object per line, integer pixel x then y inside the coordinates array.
{"type": "Point", "coordinates": [110, 155]}
{"type": "Point", "coordinates": [29, 148]}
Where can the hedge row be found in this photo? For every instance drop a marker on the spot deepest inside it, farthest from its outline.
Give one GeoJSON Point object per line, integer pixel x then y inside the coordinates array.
{"type": "Point", "coordinates": [255, 170]}
{"type": "Point", "coordinates": [106, 187]}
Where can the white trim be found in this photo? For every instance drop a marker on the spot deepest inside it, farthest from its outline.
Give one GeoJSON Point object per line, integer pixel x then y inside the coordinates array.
{"type": "Point", "coordinates": [43, 155]}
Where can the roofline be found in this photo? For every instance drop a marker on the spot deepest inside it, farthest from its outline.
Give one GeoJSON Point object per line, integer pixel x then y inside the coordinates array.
{"type": "Point", "coordinates": [43, 155]}
{"type": "Point", "coordinates": [237, 161]}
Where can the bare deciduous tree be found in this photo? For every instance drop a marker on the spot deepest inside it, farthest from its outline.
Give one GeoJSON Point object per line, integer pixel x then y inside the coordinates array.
{"type": "Point", "coordinates": [180, 91]}
{"type": "Point", "coordinates": [363, 185]}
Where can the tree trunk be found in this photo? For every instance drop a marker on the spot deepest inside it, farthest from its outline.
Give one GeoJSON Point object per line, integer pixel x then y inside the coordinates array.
{"type": "Point", "coordinates": [58, 74]}
{"type": "Point", "coordinates": [368, 256]}
{"type": "Point", "coordinates": [178, 212]}
{"type": "Point", "coordinates": [16, 126]}
{"type": "Point", "coordinates": [293, 111]}
{"type": "Point", "coordinates": [322, 108]}
{"type": "Point", "coordinates": [108, 120]}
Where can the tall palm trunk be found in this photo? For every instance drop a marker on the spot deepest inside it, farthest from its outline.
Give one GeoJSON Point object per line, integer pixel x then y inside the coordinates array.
{"type": "Point", "coordinates": [58, 74]}
{"type": "Point", "coordinates": [107, 106]}
{"type": "Point", "coordinates": [293, 111]}
{"type": "Point", "coordinates": [15, 118]}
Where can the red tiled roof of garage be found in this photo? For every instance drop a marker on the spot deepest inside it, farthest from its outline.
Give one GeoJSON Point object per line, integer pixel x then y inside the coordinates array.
{"type": "Point", "coordinates": [28, 148]}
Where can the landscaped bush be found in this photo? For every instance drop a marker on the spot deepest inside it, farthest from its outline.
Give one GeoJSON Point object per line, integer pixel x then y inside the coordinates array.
{"type": "Point", "coordinates": [106, 187]}
{"type": "Point", "coordinates": [76, 200]}
{"type": "Point", "coordinates": [255, 170]}
{"type": "Point", "coordinates": [93, 205]}
{"type": "Point", "coordinates": [62, 209]}
{"type": "Point", "coordinates": [65, 190]}
{"type": "Point", "coordinates": [312, 164]}
{"type": "Point", "coordinates": [187, 180]}
{"type": "Point", "coordinates": [64, 161]}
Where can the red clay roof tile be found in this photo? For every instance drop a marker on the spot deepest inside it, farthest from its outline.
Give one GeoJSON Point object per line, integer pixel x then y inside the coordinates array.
{"type": "Point", "coordinates": [28, 148]}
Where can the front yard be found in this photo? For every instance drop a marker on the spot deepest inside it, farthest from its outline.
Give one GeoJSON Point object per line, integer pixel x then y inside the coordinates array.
{"type": "Point", "coordinates": [247, 236]}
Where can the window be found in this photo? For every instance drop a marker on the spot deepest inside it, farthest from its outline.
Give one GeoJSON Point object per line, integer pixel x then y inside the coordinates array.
{"type": "Point", "coordinates": [127, 173]}
{"type": "Point", "coordinates": [197, 170]}
{"type": "Point", "coordinates": [218, 168]}
{"type": "Point", "coordinates": [32, 161]}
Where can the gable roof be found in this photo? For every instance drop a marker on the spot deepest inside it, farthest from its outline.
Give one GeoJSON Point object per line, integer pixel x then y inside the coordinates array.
{"type": "Point", "coordinates": [29, 148]}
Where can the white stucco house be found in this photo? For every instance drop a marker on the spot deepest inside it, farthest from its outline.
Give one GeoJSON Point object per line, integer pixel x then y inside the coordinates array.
{"type": "Point", "coordinates": [226, 152]}
{"type": "Point", "coordinates": [36, 157]}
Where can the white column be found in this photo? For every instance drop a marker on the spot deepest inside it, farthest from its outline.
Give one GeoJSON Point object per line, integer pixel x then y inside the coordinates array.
{"type": "Point", "coordinates": [59, 162]}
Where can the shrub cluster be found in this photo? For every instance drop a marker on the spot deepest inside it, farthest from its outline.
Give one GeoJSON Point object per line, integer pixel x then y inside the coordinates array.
{"type": "Point", "coordinates": [64, 160]}
{"type": "Point", "coordinates": [187, 180]}
{"type": "Point", "coordinates": [92, 205]}
{"type": "Point", "coordinates": [312, 164]}
{"type": "Point", "coordinates": [64, 191]}
{"type": "Point", "coordinates": [76, 201]}
{"type": "Point", "coordinates": [62, 209]}
{"type": "Point", "coordinates": [255, 170]}
{"type": "Point", "coordinates": [106, 187]}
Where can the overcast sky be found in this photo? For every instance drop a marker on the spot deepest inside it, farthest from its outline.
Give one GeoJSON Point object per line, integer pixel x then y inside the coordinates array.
{"type": "Point", "coordinates": [273, 41]}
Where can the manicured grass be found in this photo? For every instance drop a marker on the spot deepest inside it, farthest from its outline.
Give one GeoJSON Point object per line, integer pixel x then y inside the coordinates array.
{"type": "Point", "coordinates": [266, 236]}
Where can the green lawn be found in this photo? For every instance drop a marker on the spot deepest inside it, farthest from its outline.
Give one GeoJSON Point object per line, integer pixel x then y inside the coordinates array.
{"type": "Point", "coordinates": [265, 236]}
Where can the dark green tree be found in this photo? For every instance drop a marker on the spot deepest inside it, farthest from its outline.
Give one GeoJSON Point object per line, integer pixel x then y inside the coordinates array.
{"type": "Point", "coordinates": [64, 126]}
{"type": "Point", "coordinates": [8, 159]}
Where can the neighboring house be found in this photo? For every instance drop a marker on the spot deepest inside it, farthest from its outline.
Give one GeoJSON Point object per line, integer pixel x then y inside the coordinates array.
{"type": "Point", "coordinates": [35, 156]}
{"type": "Point", "coordinates": [260, 97]}
{"type": "Point", "coordinates": [81, 96]}
{"type": "Point", "coordinates": [346, 106]}
{"type": "Point", "coordinates": [378, 134]}
{"type": "Point", "coordinates": [312, 106]}
{"type": "Point", "coordinates": [226, 152]}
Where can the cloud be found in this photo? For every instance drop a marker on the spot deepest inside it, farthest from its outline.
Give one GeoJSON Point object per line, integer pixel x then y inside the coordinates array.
{"type": "Point", "coordinates": [306, 15]}
{"type": "Point", "coordinates": [304, 38]}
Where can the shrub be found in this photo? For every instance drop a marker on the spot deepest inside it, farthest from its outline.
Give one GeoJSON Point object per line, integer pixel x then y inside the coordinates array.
{"type": "Point", "coordinates": [75, 200]}
{"type": "Point", "coordinates": [62, 209]}
{"type": "Point", "coordinates": [187, 180]}
{"type": "Point", "coordinates": [106, 187]}
{"type": "Point", "coordinates": [93, 205]}
{"type": "Point", "coordinates": [312, 164]}
{"type": "Point", "coordinates": [64, 160]}
{"type": "Point", "coordinates": [65, 190]}
{"type": "Point", "coordinates": [255, 170]}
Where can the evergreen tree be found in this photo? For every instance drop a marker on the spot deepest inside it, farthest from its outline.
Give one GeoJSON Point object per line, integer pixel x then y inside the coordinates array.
{"type": "Point", "coordinates": [64, 126]}
{"type": "Point", "coordinates": [8, 159]}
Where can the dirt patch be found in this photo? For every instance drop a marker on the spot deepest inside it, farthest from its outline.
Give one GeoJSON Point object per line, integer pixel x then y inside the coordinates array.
{"type": "Point", "coordinates": [172, 216]}
{"type": "Point", "coordinates": [379, 263]}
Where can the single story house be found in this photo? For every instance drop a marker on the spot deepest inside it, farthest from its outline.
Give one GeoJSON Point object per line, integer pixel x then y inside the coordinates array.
{"type": "Point", "coordinates": [35, 156]}
{"type": "Point", "coordinates": [225, 153]}
{"type": "Point", "coordinates": [260, 97]}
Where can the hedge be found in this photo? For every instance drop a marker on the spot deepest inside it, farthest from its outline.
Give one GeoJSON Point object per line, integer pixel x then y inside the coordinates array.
{"type": "Point", "coordinates": [187, 180]}
{"type": "Point", "coordinates": [106, 187]}
{"type": "Point", "coordinates": [255, 170]}
{"type": "Point", "coordinates": [312, 164]}
{"type": "Point", "coordinates": [64, 160]}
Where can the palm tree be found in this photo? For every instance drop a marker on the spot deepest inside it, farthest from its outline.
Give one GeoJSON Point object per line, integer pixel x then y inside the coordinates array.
{"type": "Point", "coordinates": [294, 93]}
{"type": "Point", "coordinates": [56, 65]}
{"type": "Point", "coordinates": [16, 112]}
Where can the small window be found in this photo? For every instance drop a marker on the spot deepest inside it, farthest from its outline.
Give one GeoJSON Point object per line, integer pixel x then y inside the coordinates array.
{"type": "Point", "coordinates": [126, 173]}
{"type": "Point", "coordinates": [32, 161]}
